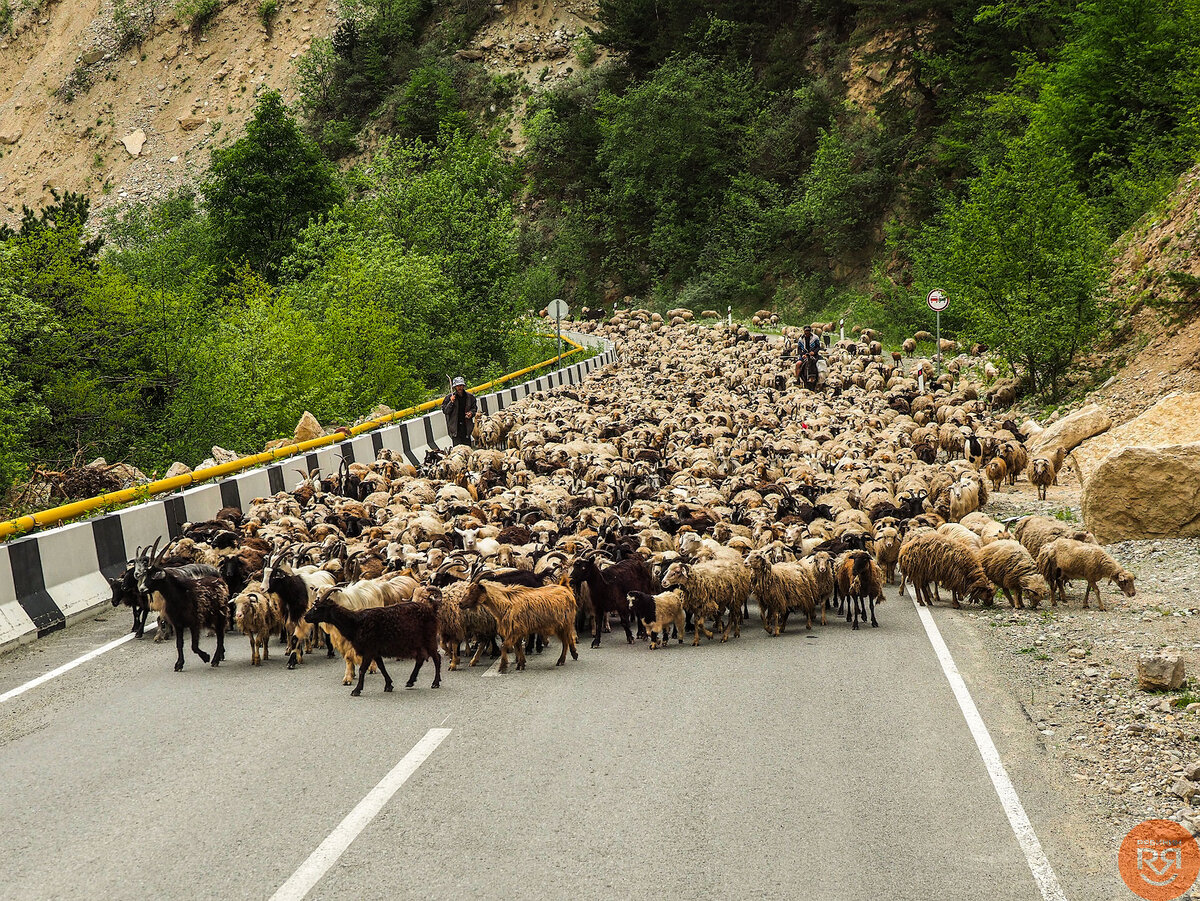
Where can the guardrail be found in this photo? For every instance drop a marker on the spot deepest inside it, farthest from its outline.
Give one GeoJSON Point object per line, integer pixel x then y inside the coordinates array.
{"type": "Point", "coordinates": [59, 575]}
{"type": "Point", "coordinates": [176, 483]}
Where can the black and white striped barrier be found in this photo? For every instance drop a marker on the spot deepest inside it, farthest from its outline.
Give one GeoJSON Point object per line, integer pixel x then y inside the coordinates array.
{"type": "Point", "coordinates": [58, 576]}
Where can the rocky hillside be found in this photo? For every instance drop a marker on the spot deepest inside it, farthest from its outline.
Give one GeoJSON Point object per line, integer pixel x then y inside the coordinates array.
{"type": "Point", "coordinates": [125, 101]}
{"type": "Point", "coordinates": [1155, 298]}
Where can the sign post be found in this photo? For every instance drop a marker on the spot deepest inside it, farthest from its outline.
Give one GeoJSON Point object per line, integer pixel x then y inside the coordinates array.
{"type": "Point", "coordinates": [938, 301]}
{"type": "Point", "coordinates": [559, 310]}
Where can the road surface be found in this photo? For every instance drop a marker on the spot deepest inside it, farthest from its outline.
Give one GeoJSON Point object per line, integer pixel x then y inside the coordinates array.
{"type": "Point", "coordinates": [824, 765]}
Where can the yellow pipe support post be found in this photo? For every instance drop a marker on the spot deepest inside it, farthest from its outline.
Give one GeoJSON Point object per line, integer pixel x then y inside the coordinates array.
{"type": "Point", "coordinates": [145, 492]}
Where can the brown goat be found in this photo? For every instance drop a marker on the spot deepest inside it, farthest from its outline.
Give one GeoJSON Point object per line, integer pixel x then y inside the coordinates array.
{"type": "Point", "coordinates": [522, 612]}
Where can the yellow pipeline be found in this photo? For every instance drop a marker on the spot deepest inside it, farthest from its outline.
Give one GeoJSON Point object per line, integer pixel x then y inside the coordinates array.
{"type": "Point", "coordinates": [144, 492]}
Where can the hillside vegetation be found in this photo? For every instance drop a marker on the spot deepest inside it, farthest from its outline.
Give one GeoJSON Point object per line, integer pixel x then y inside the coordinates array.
{"type": "Point", "coordinates": [435, 168]}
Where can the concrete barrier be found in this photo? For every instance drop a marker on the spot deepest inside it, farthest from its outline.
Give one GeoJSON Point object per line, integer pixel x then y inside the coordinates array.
{"type": "Point", "coordinates": [55, 577]}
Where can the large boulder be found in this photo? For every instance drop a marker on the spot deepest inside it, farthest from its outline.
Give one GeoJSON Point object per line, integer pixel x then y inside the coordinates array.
{"type": "Point", "coordinates": [1145, 492]}
{"type": "Point", "coordinates": [1173, 420]}
{"type": "Point", "coordinates": [308, 428]}
{"type": "Point", "coordinates": [1069, 432]}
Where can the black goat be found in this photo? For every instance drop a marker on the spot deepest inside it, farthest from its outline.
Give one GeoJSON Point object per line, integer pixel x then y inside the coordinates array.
{"type": "Point", "coordinates": [609, 588]}
{"type": "Point", "coordinates": [125, 591]}
{"type": "Point", "coordinates": [194, 596]}
{"type": "Point", "coordinates": [408, 630]}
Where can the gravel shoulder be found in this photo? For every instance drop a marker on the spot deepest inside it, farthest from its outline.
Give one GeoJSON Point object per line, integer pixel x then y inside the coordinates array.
{"type": "Point", "coordinates": [1127, 754]}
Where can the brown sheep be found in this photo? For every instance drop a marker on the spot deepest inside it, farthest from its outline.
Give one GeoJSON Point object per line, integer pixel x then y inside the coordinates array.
{"type": "Point", "coordinates": [522, 612]}
{"type": "Point", "coordinates": [1041, 474]}
{"type": "Point", "coordinates": [930, 558]}
{"type": "Point", "coordinates": [1011, 567]}
{"type": "Point", "coordinates": [887, 551]}
{"type": "Point", "coordinates": [1064, 559]}
{"type": "Point", "coordinates": [1035, 532]}
{"type": "Point", "coordinates": [997, 471]}
{"type": "Point", "coordinates": [781, 588]}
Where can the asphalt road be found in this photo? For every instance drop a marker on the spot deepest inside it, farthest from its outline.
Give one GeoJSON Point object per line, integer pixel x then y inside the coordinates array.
{"type": "Point", "coordinates": [827, 765]}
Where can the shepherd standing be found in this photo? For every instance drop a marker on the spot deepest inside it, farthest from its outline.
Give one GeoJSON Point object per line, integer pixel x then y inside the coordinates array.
{"type": "Point", "coordinates": [459, 407]}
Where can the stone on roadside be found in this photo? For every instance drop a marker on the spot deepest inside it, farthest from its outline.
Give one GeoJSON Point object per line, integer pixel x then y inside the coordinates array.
{"type": "Point", "coordinates": [1069, 432]}
{"type": "Point", "coordinates": [10, 135]}
{"type": "Point", "coordinates": [223, 456]}
{"type": "Point", "coordinates": [177, 469]}
{"type": "Point", "coordinates": [1160, 672]}
{"type": "Point", "coordinates": [1193, 770]}
{"type": "Point", "coordinates": [308, 428]}
{"type": "Point", "coordinates": [1184, 789]}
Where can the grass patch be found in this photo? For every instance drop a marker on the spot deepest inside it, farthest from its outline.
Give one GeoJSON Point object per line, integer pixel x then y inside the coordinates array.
{"type": "Point", "coordinates": [197, 14]}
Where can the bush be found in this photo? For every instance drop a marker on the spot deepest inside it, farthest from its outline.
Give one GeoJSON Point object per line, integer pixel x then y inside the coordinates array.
{"type": "Point", "coordinates": [197, 14]}
{"type": "Point", "coordinates": [267, 10]}
{"type": "Point", "coordinates": [585, 50]}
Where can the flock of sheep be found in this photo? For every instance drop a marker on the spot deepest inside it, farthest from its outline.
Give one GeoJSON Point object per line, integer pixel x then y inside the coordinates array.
{"type": "Point", "coordinates": [668, 490]}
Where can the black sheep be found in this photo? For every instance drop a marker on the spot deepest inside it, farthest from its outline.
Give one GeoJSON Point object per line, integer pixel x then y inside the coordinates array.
{"type": "Point", "coordinates": [408, 630]}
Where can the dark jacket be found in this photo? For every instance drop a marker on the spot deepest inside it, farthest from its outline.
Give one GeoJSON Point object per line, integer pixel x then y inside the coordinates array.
{"type": "Point", "coordinates": [450, 408]}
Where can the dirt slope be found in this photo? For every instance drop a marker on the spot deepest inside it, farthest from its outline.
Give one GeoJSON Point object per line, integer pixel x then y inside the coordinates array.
{"type": "Point", "coordinates": [185, 91]}
{"type": "Point", "coordinates": [1156, 287]}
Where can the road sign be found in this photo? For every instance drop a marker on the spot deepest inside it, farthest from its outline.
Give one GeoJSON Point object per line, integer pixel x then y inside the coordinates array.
{"type": "Point", "coordinates": [937, 300]}
{"type": "Point", "coordinates": [557, 309]}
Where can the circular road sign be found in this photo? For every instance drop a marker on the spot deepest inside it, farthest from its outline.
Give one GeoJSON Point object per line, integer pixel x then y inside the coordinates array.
{"type": "Point", "coordinates": [557, 309]}
{"type": "Point", "coordinates": [937, 300]}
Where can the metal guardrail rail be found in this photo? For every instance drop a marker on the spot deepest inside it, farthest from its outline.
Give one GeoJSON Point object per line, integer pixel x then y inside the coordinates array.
{"type": "Point", "coordinates": [25, 524]}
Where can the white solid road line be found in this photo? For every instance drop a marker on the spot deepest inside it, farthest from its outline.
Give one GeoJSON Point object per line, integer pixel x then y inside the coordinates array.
{"type": "Point", "coordinates": [319, 862]}
{"type": "Point", "coordinates": [494, 669]}
{"type": "Point", "coordinates": [46, 677]}
{"type": "Point", "coordinates": [1039, 865]}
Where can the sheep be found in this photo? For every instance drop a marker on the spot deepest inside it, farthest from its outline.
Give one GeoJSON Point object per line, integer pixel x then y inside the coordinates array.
{"type": "Point", "coordinates": [457, 626]}
{"type": "Point", "coordinates": [359, 595]}
{"type": "Point", "coordinates": [709, 588]}
{"type": "Point", "coordinates": [932, 558]}
{"type": "Point", "coordinates": [821, 566]}
{"type": "Point", "coordinates": [193, 596]}
{"type": "Point", "coordinates": [407, 630]}
{"type": "Point", "coordinates": [1014, 571]}
{"type": "Point", "coordinates": [1035, 532]}
{"type": "Point", "coordinates": [658, 613]}
{"type": "Point", "coordinates": [859, 578]}
{"type": "Point", "coordinates": [257, 616]}
{"type": "Point", "coordinates": [997, 471]}
{"type": "Point", "coordinates": [781, 588]}
{"type": "Point", "coordinates": [887, 551]}
{"type": "Point", "coordinates": [1042, 475]}
{"type": "Point", "coordinates": [521, 612]}
{"type": "Point", "coordinates": [1065, 559]}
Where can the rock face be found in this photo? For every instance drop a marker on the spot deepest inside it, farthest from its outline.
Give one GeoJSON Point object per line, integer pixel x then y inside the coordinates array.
{"type": "Point", "coordinates": [1173, 420]}
{"type": "Point", "coordinates": [1145, 492]}
{"type": "Point", "coordinates": [1160, 672]}
{"type": "Point", "coordinates": [308, 428]}
{"type": "Point", "coordinates": [1069, 431]}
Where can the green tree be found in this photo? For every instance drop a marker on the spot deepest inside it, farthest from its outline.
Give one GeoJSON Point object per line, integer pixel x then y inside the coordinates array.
{"type": "Point", "coordinates": [671, 147]}
{"type": "Point", "coordinates": [261, 191]}
{"type": "Point", "coordinates": [1023, 255]}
